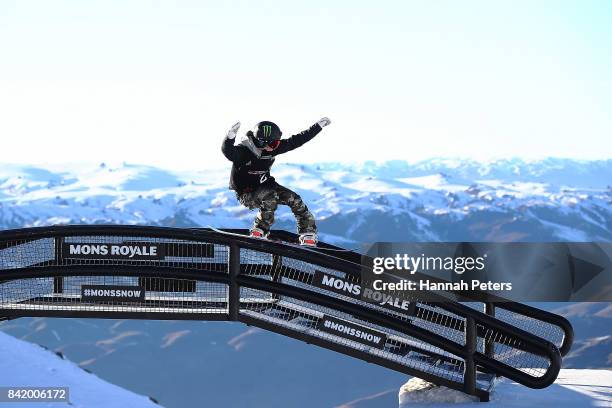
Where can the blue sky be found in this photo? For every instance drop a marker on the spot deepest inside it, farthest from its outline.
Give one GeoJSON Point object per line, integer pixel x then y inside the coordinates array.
{"type": "Point", "coordinates": [160, 82]}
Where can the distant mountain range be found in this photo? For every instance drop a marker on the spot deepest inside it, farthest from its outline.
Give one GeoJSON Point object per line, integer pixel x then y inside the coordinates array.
{"type": "Point", "coordinates": [447, 200]}
{"type": "Point", "coordinates": [440, 199]}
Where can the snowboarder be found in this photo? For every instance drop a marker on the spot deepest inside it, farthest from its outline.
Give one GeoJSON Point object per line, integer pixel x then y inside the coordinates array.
{"type": "Point", "coordinates": [252, 158]}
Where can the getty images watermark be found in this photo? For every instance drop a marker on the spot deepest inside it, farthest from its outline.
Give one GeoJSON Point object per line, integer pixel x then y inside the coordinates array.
{"type": "Point", "coordinates": [517, 271]}
{"type": "Point", "coordinates": [405, 263]}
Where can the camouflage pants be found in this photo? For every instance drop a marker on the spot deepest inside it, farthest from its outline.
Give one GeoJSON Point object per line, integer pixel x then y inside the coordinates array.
{"type": "Point", "coordinates": [268, 197]}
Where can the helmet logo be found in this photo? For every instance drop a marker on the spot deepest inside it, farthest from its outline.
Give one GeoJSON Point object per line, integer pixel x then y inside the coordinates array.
{"type": "Point", "coordinates": [267, 129]}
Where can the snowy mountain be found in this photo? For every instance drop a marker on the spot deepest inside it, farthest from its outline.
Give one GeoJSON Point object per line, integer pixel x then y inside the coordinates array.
{"type": "Point", "coordinates": [508, 200]}
{"type": "Point", "coordinates": [25, 364]}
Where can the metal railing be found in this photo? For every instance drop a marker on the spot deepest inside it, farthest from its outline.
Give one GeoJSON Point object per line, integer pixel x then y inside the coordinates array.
{"type": "Point", "coordinates": [204, 274]}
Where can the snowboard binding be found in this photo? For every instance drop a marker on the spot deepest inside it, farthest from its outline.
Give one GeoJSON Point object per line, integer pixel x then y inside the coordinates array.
{"type": "Point", "coordinates": [308, 239]}
{"type": "Point", "coordinates": [258, 233]}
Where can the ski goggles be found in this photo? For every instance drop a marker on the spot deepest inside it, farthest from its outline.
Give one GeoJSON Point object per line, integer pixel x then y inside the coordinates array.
{"type": "Point", "coordinates": [262, 143]}
{"type": "Point", "coordinates": [274, 144]}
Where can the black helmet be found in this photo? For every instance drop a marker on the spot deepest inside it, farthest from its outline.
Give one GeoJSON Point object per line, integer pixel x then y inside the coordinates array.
{"type": "Point", "coordinates": [266, 133]}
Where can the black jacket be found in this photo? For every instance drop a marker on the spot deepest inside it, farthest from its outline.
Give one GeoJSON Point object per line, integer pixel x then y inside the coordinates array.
{"type": "Point", "coordinates": [251, 166]}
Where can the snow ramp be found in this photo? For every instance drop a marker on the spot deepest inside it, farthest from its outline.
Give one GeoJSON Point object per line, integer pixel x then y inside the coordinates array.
{"type": "Point", "coordinates": [112, 271]}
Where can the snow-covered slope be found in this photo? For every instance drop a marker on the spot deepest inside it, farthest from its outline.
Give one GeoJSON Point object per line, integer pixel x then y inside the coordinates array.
{"type": "Point", "coordinates": [572, 389]}
{"type": "Point", "coordinates": [506, 200]}
{"type": "Point", "coordinates": [24, 364]}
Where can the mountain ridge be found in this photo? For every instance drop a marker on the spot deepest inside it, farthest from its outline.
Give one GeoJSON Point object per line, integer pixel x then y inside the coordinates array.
{"type": "Point", "coordinates": [439, 199]}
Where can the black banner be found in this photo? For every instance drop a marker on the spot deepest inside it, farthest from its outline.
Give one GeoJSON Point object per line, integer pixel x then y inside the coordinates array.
{"type": "Point", "coordinates": [112, 293]}
{"type": "Point", "coordinates": [136, 251]}
{"type": "Point", "coordinates": [400, 304]}
{"type": "Point", "coordinates": [351, 331]}
{"type": "Point", "coordinates": [336, 284]}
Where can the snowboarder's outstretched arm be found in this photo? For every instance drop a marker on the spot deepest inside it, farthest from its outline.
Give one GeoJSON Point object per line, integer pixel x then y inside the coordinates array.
{"type": "Point", "coordinates": [295, 141]}
{"type": "Point", "coordinates": [233, 153]}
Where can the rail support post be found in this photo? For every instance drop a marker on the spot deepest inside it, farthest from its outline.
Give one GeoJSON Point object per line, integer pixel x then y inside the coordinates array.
{"type": "Point", "coordinates": [277, 262]}
{"type": "Point", "coordinates": [489, 309]}
{"type": "Point", "coordinates": [58, 281]}
{"type": "Point", "coordinates": [58, 285]}
{"type": "Point", "coordinates": [234, 290]}
{"type": "Point", "coordinates": [469, 368]}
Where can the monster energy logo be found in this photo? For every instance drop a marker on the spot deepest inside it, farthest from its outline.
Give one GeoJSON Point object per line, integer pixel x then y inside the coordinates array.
{"type": "Point", "coordinates": [267, 130]}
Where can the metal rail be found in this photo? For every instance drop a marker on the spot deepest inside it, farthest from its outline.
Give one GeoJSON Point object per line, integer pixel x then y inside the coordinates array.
{"type": "Point", "coordinates": [202, 274]}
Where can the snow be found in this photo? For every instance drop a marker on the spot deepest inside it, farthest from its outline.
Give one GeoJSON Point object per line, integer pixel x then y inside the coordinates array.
{"type": "Point", "coordinates": [23, 364]}
{"type": "Point", "coordinates": [418, 392]}
{"type": "Point", "coordinates": [434, 182]}
{"type": "Point", "coordinates": [572, 389]}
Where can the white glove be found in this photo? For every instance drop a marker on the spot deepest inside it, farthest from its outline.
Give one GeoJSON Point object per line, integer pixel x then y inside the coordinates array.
{"type": "Point", "coordinates": [324, 122]}
{"type": "Point", "coordinates": [231, 134]}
